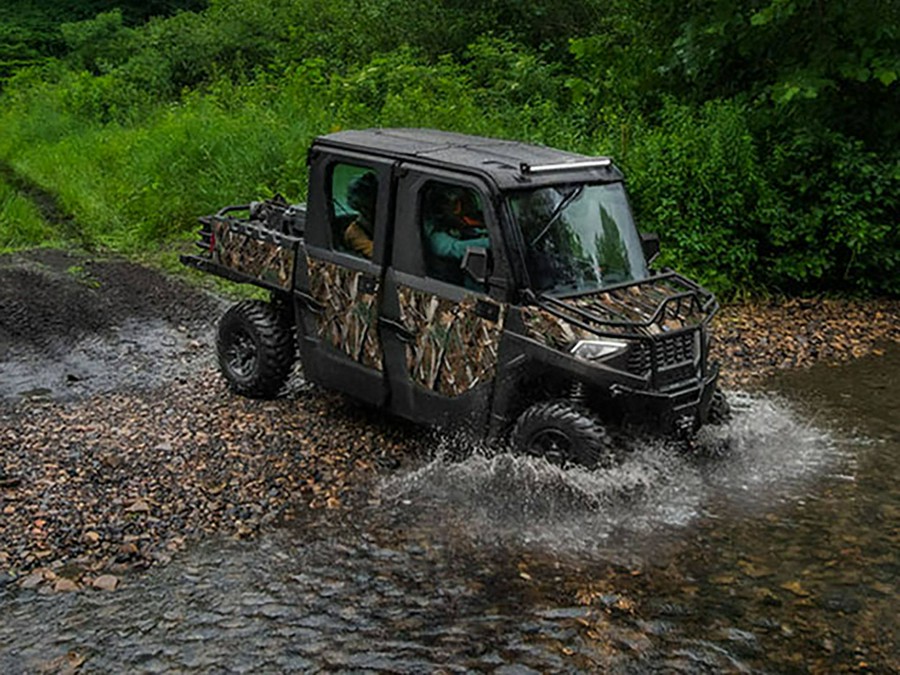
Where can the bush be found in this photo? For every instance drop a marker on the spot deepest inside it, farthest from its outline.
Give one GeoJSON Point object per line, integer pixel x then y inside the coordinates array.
{"type": "Point", "coordinates": [696, 178]}
{"type": "Point", "coordinates": [140, 128]}
{"type": "Point", "coordinates": [839, 225]}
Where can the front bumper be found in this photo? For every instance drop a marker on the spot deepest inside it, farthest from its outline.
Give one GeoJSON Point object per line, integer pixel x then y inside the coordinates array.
{"type": "Point", "coordinates": [679, 410]}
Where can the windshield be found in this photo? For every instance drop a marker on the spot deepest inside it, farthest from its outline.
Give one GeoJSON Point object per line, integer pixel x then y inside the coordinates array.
{"type": "Point", "coordinates": [578, 237]}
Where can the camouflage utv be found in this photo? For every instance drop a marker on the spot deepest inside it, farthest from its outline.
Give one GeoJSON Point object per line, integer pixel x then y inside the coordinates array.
{"type": "Point", "coordinates": [475, 282]}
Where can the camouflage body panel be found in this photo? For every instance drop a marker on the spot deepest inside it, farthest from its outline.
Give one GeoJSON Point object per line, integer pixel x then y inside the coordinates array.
{"type": "Point", "coordinates": [551, 330]}
{"type": "Point", "coordinates": [349, 317]}
{"type": "Point", "coordinates": [640, 304]}
{"type": "Point", "coordinates": [646, 309]}
{"type": "Point", "coordinates": [454, 348]}
{"type": "Point", "coordinates": [241, 252]}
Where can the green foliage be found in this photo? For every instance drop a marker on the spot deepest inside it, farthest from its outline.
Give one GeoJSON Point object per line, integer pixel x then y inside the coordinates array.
{"type": "Point", "coordinates": [696, 178]}
{"type": "Point", "coordinates": [96, 44]}
{"type": "Point", "coordinates": [21, 224]}
{"type": "Point", "coordinates": [842, 225]}
{"type": "Point", "coordinates": [760, 140]}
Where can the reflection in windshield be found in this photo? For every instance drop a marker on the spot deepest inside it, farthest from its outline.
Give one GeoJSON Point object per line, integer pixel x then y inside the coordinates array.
{"type": "Point", "coordinates": [578, 237]}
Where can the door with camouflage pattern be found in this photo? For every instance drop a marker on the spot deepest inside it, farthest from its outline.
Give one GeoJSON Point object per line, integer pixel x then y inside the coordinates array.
{"type": "Point", "coordinates": [340, 290]}
{"type": "Point", "coordinates": [442, 330]}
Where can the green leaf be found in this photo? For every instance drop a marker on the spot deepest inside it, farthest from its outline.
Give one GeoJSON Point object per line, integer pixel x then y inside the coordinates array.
{"type": "Point", "coordinates": [761, 18]}
{"type": "Point", "coordinates": [885, 76]}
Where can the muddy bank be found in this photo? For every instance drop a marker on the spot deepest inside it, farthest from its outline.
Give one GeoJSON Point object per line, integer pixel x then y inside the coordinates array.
{"type": "Point", "coordinates": [121, 441]}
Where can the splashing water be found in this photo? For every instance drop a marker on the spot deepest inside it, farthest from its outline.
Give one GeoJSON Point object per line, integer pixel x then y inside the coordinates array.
{"type": "Point", "coordinates": [763, 456]}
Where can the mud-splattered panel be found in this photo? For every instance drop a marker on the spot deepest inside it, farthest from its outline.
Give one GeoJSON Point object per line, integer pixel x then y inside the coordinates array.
{"type": "Point", "coordinates": [256, 258]}
{"type": "Point", "coordinates": [455, 349]}
{"type": "Point", "coordinates": [348, 320]}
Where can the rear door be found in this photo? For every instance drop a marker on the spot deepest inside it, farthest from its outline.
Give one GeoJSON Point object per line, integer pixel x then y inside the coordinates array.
{"type": "Point", "coordinates": [339, 286]}
{"type": "Point", "coordinates": [441, 330]}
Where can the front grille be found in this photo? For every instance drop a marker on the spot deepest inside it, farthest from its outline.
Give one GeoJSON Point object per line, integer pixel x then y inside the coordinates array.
{"type": "Point", "coordinates": [640, 360]}
{"type": "Point", "coordinates": [674, 349]}
{"type": "Point", "coordinates": [676, 374]}
{"type": "Point", "coordinates": [673, 356]}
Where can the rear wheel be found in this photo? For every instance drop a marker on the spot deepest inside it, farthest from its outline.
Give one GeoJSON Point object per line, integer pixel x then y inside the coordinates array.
{"type": "Point", "coordinates": [563, 432]}
{"type": "Point", "coordinates": [255, 349]}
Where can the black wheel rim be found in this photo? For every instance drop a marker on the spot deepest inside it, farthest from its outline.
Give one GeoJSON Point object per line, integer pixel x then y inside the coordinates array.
{"type": "Point", "coordinates": [552, 444]}
{"type": "Point", "coordinates": [241, 354]}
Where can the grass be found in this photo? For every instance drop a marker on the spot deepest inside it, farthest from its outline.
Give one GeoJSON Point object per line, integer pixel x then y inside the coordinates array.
{"type": "Point", "coordinates": [21, 223]}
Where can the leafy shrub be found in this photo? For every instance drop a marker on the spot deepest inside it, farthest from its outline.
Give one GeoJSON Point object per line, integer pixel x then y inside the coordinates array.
{"type": "Point", "coordinates": [696, 178]}
{"type": "Point", "coordinates": [842, 206]}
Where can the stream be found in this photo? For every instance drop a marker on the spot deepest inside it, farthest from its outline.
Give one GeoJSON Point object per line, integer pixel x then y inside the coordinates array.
{"type": "Point", "coordinates": [772, 548]}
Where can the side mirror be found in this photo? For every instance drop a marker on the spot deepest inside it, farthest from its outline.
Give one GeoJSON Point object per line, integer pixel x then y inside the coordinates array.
{"type": "Point", "coordinates": [476, 264]}
{"type": "Point", "coordinates": [650, 244]}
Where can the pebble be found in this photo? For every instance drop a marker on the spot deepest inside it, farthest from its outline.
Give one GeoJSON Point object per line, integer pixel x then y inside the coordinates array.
{"type": "Point", "coordinates": [65, 586]}
{"type": "Point", "coordinates": [105, 582]}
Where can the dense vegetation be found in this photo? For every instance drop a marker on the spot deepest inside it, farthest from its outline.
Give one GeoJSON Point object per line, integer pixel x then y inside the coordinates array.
{"type": "Point", "coordinates": [761, 142]}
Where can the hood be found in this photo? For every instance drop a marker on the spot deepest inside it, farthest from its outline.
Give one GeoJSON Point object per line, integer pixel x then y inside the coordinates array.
{"type": "Point", "coordinates": [660, 304]}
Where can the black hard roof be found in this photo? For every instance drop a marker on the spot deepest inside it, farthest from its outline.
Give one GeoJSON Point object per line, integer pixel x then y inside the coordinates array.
{"type": "Point", "coordinates": [498, 159]}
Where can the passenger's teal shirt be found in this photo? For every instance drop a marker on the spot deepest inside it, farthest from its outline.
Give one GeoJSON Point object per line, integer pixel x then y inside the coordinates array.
{"type": "Point", "coordinates": [445, 245]}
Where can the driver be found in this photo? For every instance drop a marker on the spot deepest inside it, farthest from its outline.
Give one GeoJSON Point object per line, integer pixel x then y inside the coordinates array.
{"type": "Point", "coordinates": [453, 223]}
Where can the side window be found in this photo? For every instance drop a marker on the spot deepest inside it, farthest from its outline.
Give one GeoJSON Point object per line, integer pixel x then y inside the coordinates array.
{"type": "Point", "coordinates": [451, 220]}
{"type": "Point", "coordinates": [354, 195]}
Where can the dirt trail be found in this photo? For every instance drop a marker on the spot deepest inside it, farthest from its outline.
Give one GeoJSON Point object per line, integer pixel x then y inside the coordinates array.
{"type": "Point", "coordinates": [72, 325]}
{"type": "Point", "coordinates": [46, 203]}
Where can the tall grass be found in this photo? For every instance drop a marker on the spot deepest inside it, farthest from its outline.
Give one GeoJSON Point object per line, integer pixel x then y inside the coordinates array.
{"type": "Point", "coordinates": [21, 223]}
{"type": "Point", "coordinates": [131, 184]}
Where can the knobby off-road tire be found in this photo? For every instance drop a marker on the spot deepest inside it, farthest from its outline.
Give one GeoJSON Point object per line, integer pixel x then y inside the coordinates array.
{"type": "Point", "coordinates": [564, 433]}
{"type": "Point", "coordinates": [719, 409]}
{"type": "Point", "coordinates": [255, 349]}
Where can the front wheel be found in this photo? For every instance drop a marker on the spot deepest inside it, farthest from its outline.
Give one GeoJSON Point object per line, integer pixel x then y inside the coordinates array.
{"type": "Point", "coordinates": [563, 432]}
{"type": "Point", "coordinates": [255, 349]}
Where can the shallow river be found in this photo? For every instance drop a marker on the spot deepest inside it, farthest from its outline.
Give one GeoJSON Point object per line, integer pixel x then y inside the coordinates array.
{"type": "Point", "coordinates": [774, 548]}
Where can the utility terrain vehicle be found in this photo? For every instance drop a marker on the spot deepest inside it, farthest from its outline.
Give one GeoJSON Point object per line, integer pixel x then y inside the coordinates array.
{"type": "Point", "coordinates": [466, 281]}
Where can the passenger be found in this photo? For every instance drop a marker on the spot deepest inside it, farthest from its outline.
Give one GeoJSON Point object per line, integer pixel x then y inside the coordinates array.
{"type": "Point", "coordinates": [453, 224]}
{"type": "Point", "coordinates": [361, 197]}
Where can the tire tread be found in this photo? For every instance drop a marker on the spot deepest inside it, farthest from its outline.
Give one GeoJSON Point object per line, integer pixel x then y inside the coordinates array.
{"type": "Point", "coordinates": [276, 348]}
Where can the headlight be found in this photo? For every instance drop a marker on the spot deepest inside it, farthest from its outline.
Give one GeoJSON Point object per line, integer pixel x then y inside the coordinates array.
{"type": "Point", "coordinates": [592, 350]}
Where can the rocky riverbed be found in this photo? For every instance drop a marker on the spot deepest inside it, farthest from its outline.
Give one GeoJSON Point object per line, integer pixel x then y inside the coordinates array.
{"type": "Point", "coordinates": [120, 444]}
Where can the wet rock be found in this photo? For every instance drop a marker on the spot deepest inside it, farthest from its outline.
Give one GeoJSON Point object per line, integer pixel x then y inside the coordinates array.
{"type": "Point", "coordinates": [8, 480]}
{"type": "Point", "coordinates": [138, 506]}
{"type": "Point", "coordinates": [742, 643]}
{"type": "Point", "coordinates": [842, 602]}
{"type": "Point", "coordinates": [32, 580]}
{"type": "Point", "coordinates": [126, 552]}
{"type": "Point", "coordinates": [767, 597]}
{"type": "Point", "coordinates": [796, 588]}
{"type": "Point", "coordinates": [68, 664]}
{"type": "Point", "coordinates": [71, 571]}
{"type": "Point", "coordinates": [754, 570]}
{"type": "Point", "coordinates": [106, 582]}
{"type": "Point", "coordinates": [65, 586]}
